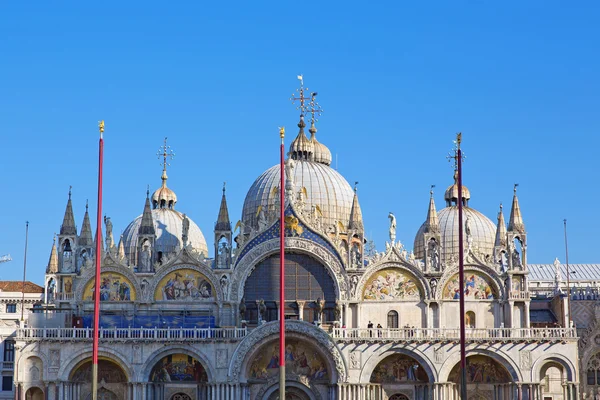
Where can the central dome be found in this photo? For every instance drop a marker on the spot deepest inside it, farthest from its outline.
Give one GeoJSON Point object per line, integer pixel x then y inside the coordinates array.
{"type": "Point", "coordinates": [168, 225]}
{"type": "Point", "coordinates": [325, 187]}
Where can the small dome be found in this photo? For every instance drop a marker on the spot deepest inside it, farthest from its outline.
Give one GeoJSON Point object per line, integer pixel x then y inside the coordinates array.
{"type": "Point", "coordinates": [168, 225]}
{"type": "Point", "coordinates": [451, 195]}
{"type": "Point", "coordinates": [301, 147]}
{"type": "Point", "coordinates": [321, 152]}
{"type": "Point", "coordinates": [483, 231]}
{"type": "Point", "coordinates": [325, 187]}
{"type": "Point", "coordinates": [164, 197]}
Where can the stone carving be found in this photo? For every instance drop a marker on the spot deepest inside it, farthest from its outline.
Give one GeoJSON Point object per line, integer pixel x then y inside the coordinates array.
{"type": "Point", "coordinates": [300, 328]}
{"type": "Point", "coordinates": [262, 310]}
{"type": "Point", "coordinates": [320, 306]}
{"type": "Point", "coordinates": [338, 311]}
{"type": "Point", "coordinates": [433, 284]}
{"type": "Point", "coordinates": [525, 356]}
{"type": "Point", "coordinates": [356, 256]}
{"type": "Point", "coordinates": [224, 283]}
{"type": "Point", "coordinates": [434, 254]}
{"type": "Point", "coordinates": [223, 255]}
{"type": "Point", "coordinates": [110, 241]}
{"type": "Point", "coordinates": [392, 231]}
{"type": "Point", "coordinates": [262, 219]}
{"type": "Point", "coordinates": [137, 354]}
{"type": "Point", "coordinates": [438, 355]}
{"type": "Point", "coordinates": [242, 308]}
{"type": "Point", "coordinates": [185, 229]}
{"type": "Point", "coordinates": [145, 263]}
{"type": "Point", "coordinates": [290, 164]}
{"type": "Point", "coordinates": [355, 359]}
{"type": "Point", "coordinates": [354, 281]}
{"type": "Point", "coordinates": [221, 358]}
{"type": "Point", "coordinates": [54, 358]}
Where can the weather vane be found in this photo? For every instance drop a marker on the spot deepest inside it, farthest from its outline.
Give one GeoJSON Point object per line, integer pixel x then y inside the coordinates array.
{"type": "Point", "coordinates": [314, 108]}
{"type": "Point", "coordinates": [302, 99]}
{"type": "Point", "coordinates": [165, 151]}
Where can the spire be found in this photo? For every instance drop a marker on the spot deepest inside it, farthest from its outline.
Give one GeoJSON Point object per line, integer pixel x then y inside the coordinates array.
{"type": "Point", "coordinates": [356, 220]}
{"type": "Point", "coordinates": [68, 226]}
{"type": "Point", "coordinates": [301, 148]}
{"type": "Point", "coordinates": [515, 223]}
{"type": "Point", "coordinates": [53, 261]}
{"type": "Point", "coordinates": [432, 223]}
{"type": "Point", "coordinates": [223, 223]}
{"type": "Point", "coordinates": [147, 225]}
{"type": "Point", "coordinates": [501, 229]}
{"type": "Point", "coordinates": [121, 251]}
{"type": "Point", "coordinates": [85, 237]}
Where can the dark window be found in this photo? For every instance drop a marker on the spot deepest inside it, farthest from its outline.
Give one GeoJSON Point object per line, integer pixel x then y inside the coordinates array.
{"type": "Point", "coordinates": [11, 308]}
{"type": "Point", "coordinates": [9, 350]}
{"type": "Point", "coordinates": [591, 377]}
{"type": "Point", "coordinates": [305, 279]}
{"type": "Point", "coordinates": [392, 319]}
{"type": "Point", "coordinates": [7, 383]}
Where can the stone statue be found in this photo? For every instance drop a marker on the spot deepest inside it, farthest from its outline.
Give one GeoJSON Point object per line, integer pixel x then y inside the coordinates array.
{"type": "Point", "coordinates": [262, 310]}
{"type": "Point", "coordinates": [392, 227]}
{"type": "Point", "coordinates": [354, 281]}
{"type": "Point", "coordinates": [434, 253]}
{"type": "Point", "coordinates": [433, 283]}
{"type": "Point", "coordinates": [223, 255]}
{"type": "Point", "coordinates": [516, 259]}
{"type": "Point", "coordinates": [109, 235]}
{"type": "Point", "coordinates": [262, 219]}
{"type": "Point", "coordinates": [242, 309]}
{"type": "Point", "coordinates": [468, 226]}
{"type": "Point", "coordinates": [290, 164]}
{"type": "Point", "coordinates": [338, 311]}
{"type": "Point", "coordinates": [320, 307]}
{"type": "Point", "coordinates": [185, 230]}
{"type": "Point", "coordinates": [503, 262]}
{"type": "Point", "coordinates": [145, 264]}
{"type": "Point", "coordinates": [355, 256]}
{"type": "Point", "coordinates": [224, 282]}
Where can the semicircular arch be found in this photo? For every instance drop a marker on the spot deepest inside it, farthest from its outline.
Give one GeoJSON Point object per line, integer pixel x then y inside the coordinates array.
{"type": "Point", "coordinates": [109, 354]}
{"type": "Point", "coordinates": [203, 270]}
{"type": "Point", "coordinates": [89, 275]}
{"type": "Point", "coordinates": [393, 349]}
{"type": "Point", "coordinates": [480, 272]}
{"type": "Point", "coordinates": [292, 244]}
{"type": "Point", "coordinates": [154, 358]}
{"type": "Point", "coordinates": [557, 358]}
{"type": "Point", "coordinates": [497, 355]}
{"type": "Point", "coordinates": [405, 273]}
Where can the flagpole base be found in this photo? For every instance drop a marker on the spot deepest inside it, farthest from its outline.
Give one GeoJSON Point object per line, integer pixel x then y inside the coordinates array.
{"type": "Point", "coordinates": [282, 382]}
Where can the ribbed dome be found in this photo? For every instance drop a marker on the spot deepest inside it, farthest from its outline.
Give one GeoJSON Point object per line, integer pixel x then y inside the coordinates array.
{"type": "Point", "coordinates": [164, 197]}
{"type": "Point", "coordinates": [321, 152]}
{"type": "Point", "coordinates": [483, 231]}
{"type": "Point", "coordinates": [325, 187]}
{"type": "Point", "coordinates": [168, 225]}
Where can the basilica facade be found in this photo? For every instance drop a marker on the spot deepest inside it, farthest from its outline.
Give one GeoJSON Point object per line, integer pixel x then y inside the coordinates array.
{"type": "Point", "coordinates": [361, 324]}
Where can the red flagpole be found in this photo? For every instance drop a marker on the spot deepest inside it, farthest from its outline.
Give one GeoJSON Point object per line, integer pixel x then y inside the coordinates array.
{"type": "Point", "coordinates": [461, 273]}
{"type": "Point", "coordinates": [98, 262]}
{"type": "Point", "coordinates": [281, 273]}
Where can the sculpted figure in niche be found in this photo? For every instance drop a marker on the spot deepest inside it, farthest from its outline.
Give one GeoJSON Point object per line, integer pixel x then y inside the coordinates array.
{"type": "Point", "coordinates": [392, 218]}
{"type": "Point", "coordinates": [355, 256]}
{"type": "Point", "coordinates": [320, 307]}
{"type": "Point", "coordinates": [224, 282]}
{"type": "Point", "coordinates": [185, 230]}
{"type": "Point", "coordinates": [262, 219]}
{"type": "Point", "coordinates": [145, 264]}
{"type": "Point", "coordinates": [109, 236]}
{"type": "Point", "coordinates": [262, 310]}
{"type": "Point", "coordinates": [338, 311]}
{"type": "Point", "coordinates": [290, 164]}
{"type": "Point", "coordinates": [67, 261]}
{"type": "Point", "coordinates": [242, 308]}
{"type": "Point", "coordinates": [434, 253]}
{"type": "Point", "coordinates": [223, 255]}
{"type": "Point", "coordinates": [516, 258]}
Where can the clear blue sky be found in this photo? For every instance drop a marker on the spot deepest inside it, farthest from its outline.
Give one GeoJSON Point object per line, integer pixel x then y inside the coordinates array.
{"type": "Point", "coordinates": [396, 81]}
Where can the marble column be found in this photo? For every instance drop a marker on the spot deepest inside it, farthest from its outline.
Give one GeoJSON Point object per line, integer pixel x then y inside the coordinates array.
{"type": "Point", "coordinates": [527, 322]}
{"type": "Point", "coordinates": [300, 304]}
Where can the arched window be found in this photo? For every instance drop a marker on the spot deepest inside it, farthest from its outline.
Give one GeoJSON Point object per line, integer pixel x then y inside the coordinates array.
{"type": "Point", "coordinates": [593, 370]}
{"type": "Point", "coordinates": [470, 319]}
{"type": "Point", "coordinates": [392, 319]}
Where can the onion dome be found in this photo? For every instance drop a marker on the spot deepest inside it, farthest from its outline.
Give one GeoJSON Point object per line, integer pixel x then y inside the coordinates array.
{"type": "Point", "coordinates": [320, 151]}
{"type": "Point", "coordinates": [451, 195]}
{"type": "Point", "coordinates": [164, 197]}
{"type": "Point", "coordinates": [482, 229]}
{"type": "Point", "coordinates": [302, 148]}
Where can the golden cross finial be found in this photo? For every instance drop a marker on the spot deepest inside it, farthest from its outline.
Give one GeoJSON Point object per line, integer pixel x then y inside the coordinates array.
{"type": "Point", "coordinates": [101, 127]}
{"type": "Point", "coordinates": [282, 132]}
{"type": "Point", "coordinates": [165, 151]}
{"type": "Point", "coordinates": [314, 108]}
{"type": "Point", "coordinates": [454, 157]}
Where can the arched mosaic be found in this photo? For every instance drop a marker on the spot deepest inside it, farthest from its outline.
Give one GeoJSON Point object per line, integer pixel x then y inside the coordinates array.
{"type": "Point", "coordinates": [398, 368]}
{"type": "Point", "coordinates": [113, 287]}
{"type": "Point", "coordinates": [301, 359]}
{"type": "Point", "coordinates": [184, 285]}
{"type": "Point", "coordinates": [481, 369]}
{"type": "Point", "coordinates": [477, 286]}
{"type": "Point", "coordinates": [108, 372]}
{"type": "Point", "coordinates": [178, 368]}
{"type": "Point", "coordinates": [391, 284]}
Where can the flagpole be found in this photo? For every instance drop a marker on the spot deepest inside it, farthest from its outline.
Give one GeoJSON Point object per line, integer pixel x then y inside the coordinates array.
{"type": "Point", "coordinates": [98, 263]}
{"type": "Point", "coordinates": [281, 272]}
{"type": "Point", "coordinates": [568, 277]}
{"type": "Point", "coordinates": [461, 273]}
{"type": "Point", "coordinates": [24, 272]}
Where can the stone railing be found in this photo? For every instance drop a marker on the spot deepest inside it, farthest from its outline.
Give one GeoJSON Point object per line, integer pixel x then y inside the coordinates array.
{"type": "Point", "coordinates": [519, 295]}
{"type": "Point", "coordinates": [62, 296]}
{"type": "Point", "coordinates": [8, 365]}
{"type": "Point", "coordinates": [453, 335]}
{"type": "Point", "coordinates": [132, 334]}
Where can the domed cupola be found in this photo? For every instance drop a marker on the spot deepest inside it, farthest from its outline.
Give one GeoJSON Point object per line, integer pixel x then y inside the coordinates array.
{"type": "Point", "coordinates": [480, 231]}
{"type": "Point", "coordinates": [308, 170]}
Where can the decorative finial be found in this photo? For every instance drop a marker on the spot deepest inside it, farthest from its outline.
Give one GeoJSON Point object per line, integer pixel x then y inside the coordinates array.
{"type": "Point", "coordinates": [224, 184]}
{"type": "Point", "coordinates": [501, 206]}
{"type": "Point", "coordinates": [147, 191]}
{"type": "Point", "coordinates": [355, 186]}
{"type": "Point", "coordinates": [101, 127]}
{"type": "Point", "coordinates": [515, 188]}
{"type": "Point", "coordinates": [431, 190]}
{"type": "Point", "coordinates": [302, 99]}
{"type": "Point", "coordinates": [54, 238]}
{"type": "Point", "coordinates": [165, 151]}
{"type": "Point", "coordinates": [282, 132]}
{"type": "Point", "coordinates": [70, 188]}
{"type": "Point", "coordinates": [86, 205]}
{"type": "Point", "coordinates": [453, 156]}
